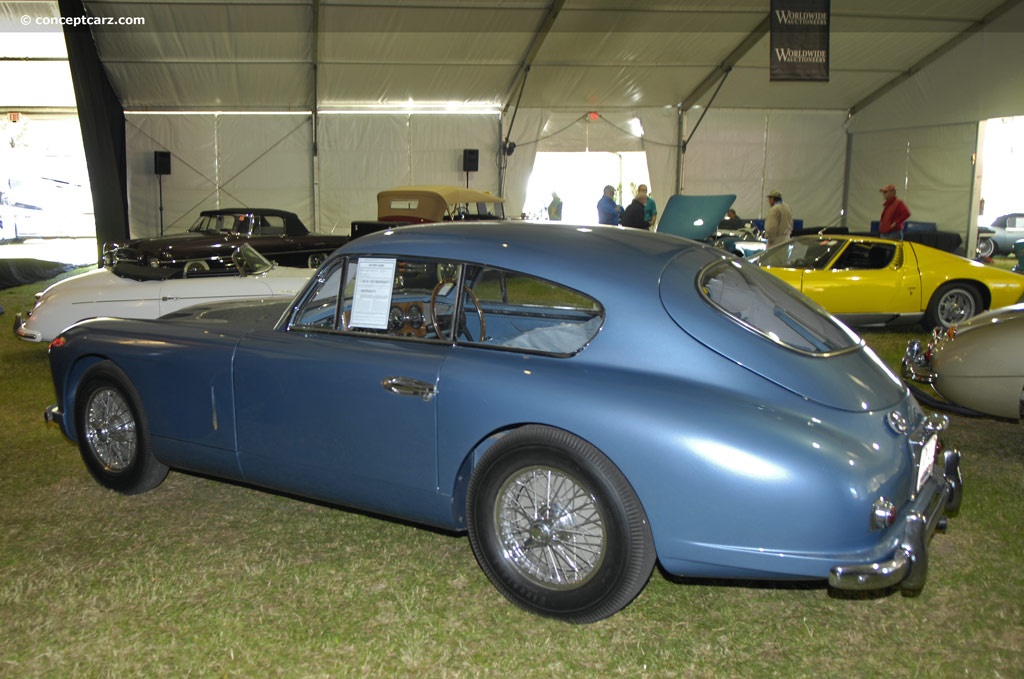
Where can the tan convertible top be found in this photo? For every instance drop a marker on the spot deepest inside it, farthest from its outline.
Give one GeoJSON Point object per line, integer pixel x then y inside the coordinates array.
{"type": "Point", "coordinates": [430, 203]}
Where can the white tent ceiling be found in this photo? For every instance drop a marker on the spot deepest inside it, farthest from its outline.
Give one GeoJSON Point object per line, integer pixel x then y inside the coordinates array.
{"type": "Point", "coordinates": [262, 55]}
{"type": "Point", "coordinates": [909, 82]}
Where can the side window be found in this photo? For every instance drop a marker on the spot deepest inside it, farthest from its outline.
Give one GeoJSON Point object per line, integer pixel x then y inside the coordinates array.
{"type": "Point", "coordinates": [241, 224]}
{"type": "Point", "coordinates": [320, 309]}
{"type": "Point", "coordinates": [444, 301]}
{"type": "Point", "coordinates": [269, 225]}
{"type": "Point", "coordinates": [411, 298]}
{"type": "Point", "coordinates": [865, 256]}
{"type": "Point", "coordinates": [518, 311]}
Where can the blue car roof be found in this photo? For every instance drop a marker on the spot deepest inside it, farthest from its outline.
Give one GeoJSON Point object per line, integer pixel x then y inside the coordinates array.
{"type": "Point", "coordinates": [585, 257]}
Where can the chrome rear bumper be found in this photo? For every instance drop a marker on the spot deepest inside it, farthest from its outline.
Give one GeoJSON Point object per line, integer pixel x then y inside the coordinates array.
{"type": "Point", "coordinates": [908, 566]}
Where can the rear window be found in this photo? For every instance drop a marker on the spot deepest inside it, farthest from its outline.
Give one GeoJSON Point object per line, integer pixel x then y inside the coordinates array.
{"type": "Point", "coordinates": [772, 308]}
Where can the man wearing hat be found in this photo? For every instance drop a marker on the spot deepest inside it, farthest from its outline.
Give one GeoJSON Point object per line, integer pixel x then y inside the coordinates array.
{"type": "Point", "coordinates": [778, 225]}
{"type": "Point", "coordinates": [894, 213]}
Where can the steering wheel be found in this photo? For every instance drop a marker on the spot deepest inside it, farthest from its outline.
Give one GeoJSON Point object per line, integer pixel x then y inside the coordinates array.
{"type": "Point", "coordinates": [431, 310]}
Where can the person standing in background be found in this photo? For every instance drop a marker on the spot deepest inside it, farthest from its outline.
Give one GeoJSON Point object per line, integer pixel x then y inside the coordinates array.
{"type": "Point", "coordinates": [894, 214]}
{"type": "Point", "coordinates": [555, 208]}
{"type": "Point", "coordinates": [633, 215]}
{"type": "Point", "coordinates": [732, 221]}
{"type": "Point", "coordinates": [607, 211]}
{"type": "Point", "coordinates": [650, 207]}
{"type": "Point", "coordinates": [779, 224]}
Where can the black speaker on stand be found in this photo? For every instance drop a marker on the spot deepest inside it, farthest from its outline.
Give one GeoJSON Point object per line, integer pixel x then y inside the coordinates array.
{"type": "Point", "coordinates": [161, 166]}
{"type": "Point", "coordinates": [470, 162]}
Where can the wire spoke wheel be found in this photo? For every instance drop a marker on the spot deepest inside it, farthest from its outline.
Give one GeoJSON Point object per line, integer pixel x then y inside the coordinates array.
{"type": "Point", "coordinates": [550, 527]}
{"type": "Point", "coordinates": [556, 527]}
{"type": "Point", "coordinates": [112, 432]}
{"type": "Point", "coordinates": [110, 429]}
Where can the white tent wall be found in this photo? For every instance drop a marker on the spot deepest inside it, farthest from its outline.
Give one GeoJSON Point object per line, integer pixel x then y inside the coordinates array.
{"type": "Point", "coordinates": [217, 160]}
{"type": "Point", "coordinates": [228, 160]}
{"type": "Point", "coordinates": [192, 184]}
{"type": "Point", "coordinates": [264, 161]}
{"type": "Point", "coordinates": [751, 152]}
{"type": "Point", "coordinates": [360, 155]}
{"type": "Point", "coordinates": [931, 167]}
{"type": "Point", "coordinates": [437, 143]}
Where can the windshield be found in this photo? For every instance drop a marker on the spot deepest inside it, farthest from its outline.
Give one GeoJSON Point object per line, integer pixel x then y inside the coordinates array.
{"type": "Point", "coordinates": [773, 308]}
{"type": "Point", "coordinates": [802, 253]}
{"type": "Point", "coordinates": [248, 261]}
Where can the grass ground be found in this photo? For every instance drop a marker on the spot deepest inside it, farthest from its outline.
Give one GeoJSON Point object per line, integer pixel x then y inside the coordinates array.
{"type": "Point", "coordinates": [203, 578]}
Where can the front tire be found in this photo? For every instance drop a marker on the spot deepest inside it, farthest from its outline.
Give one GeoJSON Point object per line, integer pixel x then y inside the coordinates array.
{"type": "Point", "coordinates": [113, 437]}
{"type": "Point", "coordinates": [952, 303]}
{"type": "Point", "coordinates": [316, 259]}
{"type": "Point", "coordinates": [557, 528]}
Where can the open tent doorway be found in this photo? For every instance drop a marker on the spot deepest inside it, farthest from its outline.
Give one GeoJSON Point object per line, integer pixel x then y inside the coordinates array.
{"type": "Point", "coordinates": [44, 182]}
{"type": "Point", "coordinates": [1002, 162]}
{"type": "Point", "coordinates": [579, 179]}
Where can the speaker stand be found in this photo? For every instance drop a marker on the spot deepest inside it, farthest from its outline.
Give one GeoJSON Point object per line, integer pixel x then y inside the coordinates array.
{"type": "Point", "coordinates": [160, 182]}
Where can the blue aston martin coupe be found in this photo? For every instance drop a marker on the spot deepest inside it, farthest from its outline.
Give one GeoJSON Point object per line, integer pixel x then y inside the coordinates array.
{"type": "Point", "coordinates": [567, 395]}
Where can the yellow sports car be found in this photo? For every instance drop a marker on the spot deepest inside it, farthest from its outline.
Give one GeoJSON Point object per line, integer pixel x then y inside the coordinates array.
{"type": "Point", "coordinates": [872, 281]}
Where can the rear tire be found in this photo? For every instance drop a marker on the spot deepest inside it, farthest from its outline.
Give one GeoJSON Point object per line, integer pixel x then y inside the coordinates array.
{"type": "Point", "coordinates": [557, 528]}
{"type": "Point", "coordinates": [113, 437]}
{"type": "Point", "coordinates": [952, 303]}
{"type": "Point", "coordinates": [195, 267]}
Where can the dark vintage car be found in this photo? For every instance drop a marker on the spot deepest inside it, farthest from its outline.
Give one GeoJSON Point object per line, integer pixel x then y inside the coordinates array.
{"type": "Point", "coordinates": [493, 378]}
{"type": "Point", "coordinates": [278, 235]}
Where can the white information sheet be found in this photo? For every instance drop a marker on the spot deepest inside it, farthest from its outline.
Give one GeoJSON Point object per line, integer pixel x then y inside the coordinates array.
{"type": "Point", "coordinates": [371, 299]}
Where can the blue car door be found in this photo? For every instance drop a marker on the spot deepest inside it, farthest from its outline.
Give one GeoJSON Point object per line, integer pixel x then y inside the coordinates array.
{"type": "Point", "coordinates": [342, 413]}
{"type": "Point", "coordinates": [317, 415]}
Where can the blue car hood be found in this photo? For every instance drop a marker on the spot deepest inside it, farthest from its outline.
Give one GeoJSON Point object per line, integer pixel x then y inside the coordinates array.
{"type": "Point", "coordinates": [233, 316]}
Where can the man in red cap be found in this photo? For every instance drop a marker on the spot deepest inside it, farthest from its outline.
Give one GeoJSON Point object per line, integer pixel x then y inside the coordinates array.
{"type": "Point", "coordinates": [894, 213]}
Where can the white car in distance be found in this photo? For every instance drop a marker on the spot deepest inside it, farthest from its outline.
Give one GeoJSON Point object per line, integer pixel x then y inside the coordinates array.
{"type": "Point", "coordinates": [128, 290]}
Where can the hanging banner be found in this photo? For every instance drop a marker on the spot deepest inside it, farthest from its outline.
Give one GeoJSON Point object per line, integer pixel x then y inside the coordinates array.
{"type": "Point", "coordinates": [799, 40]}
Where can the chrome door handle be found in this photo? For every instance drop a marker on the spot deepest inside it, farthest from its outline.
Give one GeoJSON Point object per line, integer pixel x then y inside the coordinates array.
{"type": "Point", "coordinates": [407, 386]}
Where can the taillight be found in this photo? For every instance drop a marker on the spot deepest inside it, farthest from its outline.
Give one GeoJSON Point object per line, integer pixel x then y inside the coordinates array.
{"type": "Point", "coordinates": [883, 514]}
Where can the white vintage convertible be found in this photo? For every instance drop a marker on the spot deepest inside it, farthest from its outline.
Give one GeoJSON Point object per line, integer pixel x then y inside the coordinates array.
{"type": "Point", "coordinates": [975, 365]}
{"type": "Point", "coordinates": [128, 290]}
